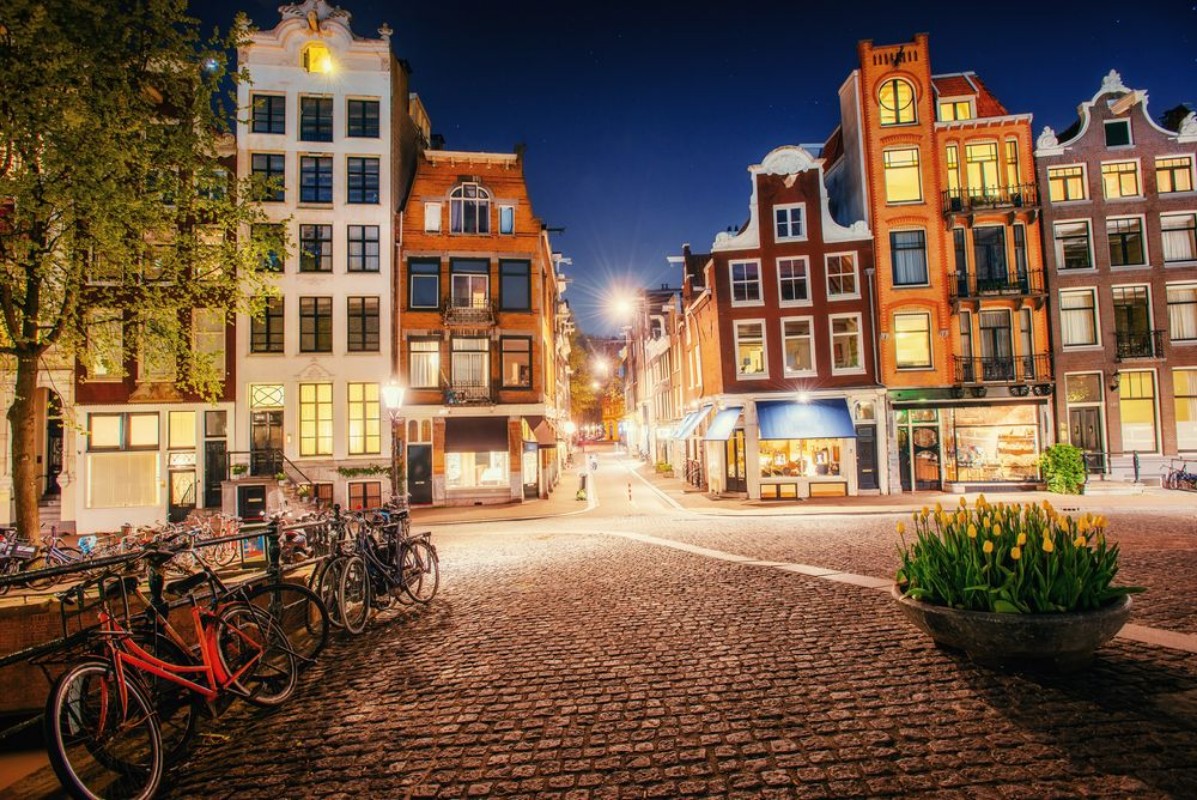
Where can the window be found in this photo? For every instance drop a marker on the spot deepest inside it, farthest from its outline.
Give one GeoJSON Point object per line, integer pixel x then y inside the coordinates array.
{"type": "Point", "coordinates": [315, 419]}
{"type": "Point", "coordinates": [960, 248]}
{"type": "Point", "coordinates": [952, 163]}
{"type": "Point", "coordinates": [789, 223]}
{"type": "Point", "coordinates": [903, 183]}
{"type": "Point", "coordinates": [798, 346]}
{"type": "Point", "coordinates": [793, 281]}
{"type": "Point", "coordinates": [908, 254]}
{"type": "Point", "coordinates": [1020, 251]}
{"type": "Point", "coordinates": [515, 355]}
{"type": "Point", "coordinates": [1118, 133]}
{"type": "Point", "coordinates": [952, 110]}
{"type": "Point", "coordinates": [128, 431]}
{"type": "Point", "coordinates": [365, 429]}
{"type": "Point", "coordinates": [912, 341]}
{"type": "Point", "coordinates": [1136, 405]}
{"type": "Point", "coordinates": [1078, 317]}
{"type": "Point", "coordinates": [425, 289]}
{"type": "Point", "coordinates": [1184, 386]}
{"type": "Point", "coordinates": [105, 351]}
{"type": "Point", "coordinates": [1126, 242]}
{"type": "Point", "coordinates": [270, 235]}
{"type": "Point", "coordinates": [365, 494]}
{"type": "Point", "coordinates": [745, 282]}
{"type": "Point", "coordinates": [750, 350]}
{"type": "Point", "coordinates": [207, 338]}
{"type": "Point", "coordinates": [424, 363]}
{"type": "Point", "coordinates": [842, 281]}
{"type": "Point", "coordinates": [471, 362]}
{"type": "Point", "coordinates": [507, 219]}
{"type": "Point", "coordinates": [316, 58]}
{"type": "Point", "coordinates": [362, 119]}
{"type": "Point", "coordinates": [1174, 174]}
{"type": "Point", "coordinates": [1182, 312]}
{"type": "Point", "coordinates": [896, 99]}
{"type": "Point", "coordinates": [158, 359]}
{"type": "Point", "coordinates": [362, 180]}
{"type": "Point", "coordinates": [266, 331]}
{"type": "Point", "coordinates": [470, 282]}
{"type": "Point", "coordinates": [1072, 245]}
{"type": "Point", "coordinates": [997, 345]}
{"type": "Point", "coordinates": [472, 470]}
{"type": "Point", "coordinates": [362, 324]}
{"type": "Point", "coordinates": [322, 493]}
{"type": "Point", "coordinates": [270, 114]}
{"type": "Point", "coordinates": [363, 248]}
{"type": "Point", "coordinates": [180, 430]}
{"type": "Point", "coordinates": [1013, 174]}
{"type": "Point", "coordinates": [1179, 232]}
{"type": "Point", "coordinates": [515, 285]}
{"type": "Point", "coordinates": [315, 119]}
{"type": "Point", "coordinates": [469, 209]}
{"type": "Point", "coordinates": [981, 169]}
{"type": "Point", "coordinates": [315, 248]}
{"type": "Point", "coordinates": [1120, 179]}
{"type": "Point", "coordinates": [1066, 183]}
{"type": "Point", "coordinates": [269, 175]}
{"type": "Point", "coordinates": [966, 341]}
{"type": "Point", "coordinates": [989, 257]}
{"type": "Point", "coordinates": [315, 324]}
{"type": "Point", "coordinates": [846, 344]}
{"type": "Point", "coordinates": [123, 480]}
{"type": "Point", "coordinates": [315, 179]}
{"type": "Point", "coordinates": [432, 218]}
{"type": "Point", "coordinates": [1132, 321]}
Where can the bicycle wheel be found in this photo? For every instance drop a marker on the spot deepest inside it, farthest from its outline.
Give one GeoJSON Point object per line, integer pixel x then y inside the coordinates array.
{"type": "Point", "coordinates": [97, 748]}
{"type": "Point", "coordinates": [178, 708]}
{"type": "Point", "coordinates": [327, 585]}
{"type": "Point", "coordinates": [301, 613]}
{"type": "Point", "coordinates": [254, 648]}
{"type": "Point", "coordinates": [421, 570]}
{"type": "Point", "coordinates": [353, 594]}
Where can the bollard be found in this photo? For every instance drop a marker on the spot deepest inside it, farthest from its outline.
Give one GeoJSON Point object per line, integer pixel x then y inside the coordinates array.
{"type": "Point", "coordinates": [273, 551]}
{"type": "Point", "coordinates": [1135, 461]}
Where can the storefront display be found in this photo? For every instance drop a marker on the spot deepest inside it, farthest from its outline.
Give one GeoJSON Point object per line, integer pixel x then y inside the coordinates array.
{"type": "Point", "coordinates": [476, 470]}
{"type": "Point", "coordinates": [992, 444]}
{"type": "Point", "coordinates": [808, 458]}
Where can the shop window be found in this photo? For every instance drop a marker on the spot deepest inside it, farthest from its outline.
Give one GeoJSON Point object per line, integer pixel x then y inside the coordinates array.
{"type": "Point", "coordinates": [1184, 384]}
{"type": "Point", "coordinates": [993, 444]}
{"type": "Point", "coordinates": [1136, 405]}
{"type": "Point", "coordinates": [807, 458]}
{"type": "Point", "coordinates": [477, 470]}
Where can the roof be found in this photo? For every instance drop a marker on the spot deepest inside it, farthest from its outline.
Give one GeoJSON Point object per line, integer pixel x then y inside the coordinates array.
{"type": "Point", "coordinates": [833, 148]}
{"type": "Point", "coordinates": [967, 84]}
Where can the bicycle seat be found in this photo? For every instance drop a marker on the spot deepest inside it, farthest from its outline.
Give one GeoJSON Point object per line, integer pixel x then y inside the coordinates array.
{"type": "Point", "coordinates": [157, 556]}
{"type": "Point", "coordinates": [184, 585]}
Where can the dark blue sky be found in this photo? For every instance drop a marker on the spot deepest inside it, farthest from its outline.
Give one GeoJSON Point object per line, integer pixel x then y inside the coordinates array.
{"type": "Point", "coordinates": [641, 119]}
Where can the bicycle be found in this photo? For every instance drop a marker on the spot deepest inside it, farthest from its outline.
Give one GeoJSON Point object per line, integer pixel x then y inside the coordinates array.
{"type": "Point", "coordinates": [16, 556]}
{"type": "Point", "coordinates": [1179, 478]}
{"type": "Point", "coordinates": [102, 729]}
{"type": "Point", "coordinates": [51, 553]}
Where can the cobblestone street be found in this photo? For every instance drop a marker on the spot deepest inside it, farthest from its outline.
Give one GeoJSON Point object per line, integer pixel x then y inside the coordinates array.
{"type": "Point", "coordinates": [578, 657]}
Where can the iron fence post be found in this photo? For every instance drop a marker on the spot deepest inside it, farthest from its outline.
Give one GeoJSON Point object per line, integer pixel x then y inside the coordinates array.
{"type": "Point", "coordinates": [273, 550]}
{"type": "Point", "coordinates": [1135, 457]}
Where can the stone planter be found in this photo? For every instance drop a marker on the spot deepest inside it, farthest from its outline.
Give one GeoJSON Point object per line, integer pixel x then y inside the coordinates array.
{"type": "Point", "coordinates": [1063, 642]}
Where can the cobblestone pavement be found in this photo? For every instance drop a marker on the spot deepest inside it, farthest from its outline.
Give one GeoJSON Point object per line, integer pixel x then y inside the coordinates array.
{"type": "Point", "coordinates": [560, 661]}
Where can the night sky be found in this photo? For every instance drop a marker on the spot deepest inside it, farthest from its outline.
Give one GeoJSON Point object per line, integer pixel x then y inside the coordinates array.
{"type": "Point", "coordinates": [641, 119]}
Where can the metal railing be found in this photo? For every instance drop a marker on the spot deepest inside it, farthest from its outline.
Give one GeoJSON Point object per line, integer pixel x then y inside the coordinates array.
{"type": "Point", "coordinates": [1141, 344]}
{"type": "Point", "coordinates": [1003, 369]}
{"type": "Point", "coordinates": [467, 394]}
{"type": "Point", "coordinates": [467, 311]}
{"type": "Point", "coordinates": [1028, 283]}
{"type": "Point", "coordinates": [265, 463]}
{"type": "Point", "coordinates": [965, 200]}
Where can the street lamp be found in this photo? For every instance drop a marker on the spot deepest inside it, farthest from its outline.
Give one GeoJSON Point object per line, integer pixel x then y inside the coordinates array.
{"type": "Point", "coordinates": [392, 399]}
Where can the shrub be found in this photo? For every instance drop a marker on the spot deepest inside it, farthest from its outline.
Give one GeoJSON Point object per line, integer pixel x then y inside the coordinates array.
{"type": "Point", "coordinates": [664, 466]}
{"type": "Point", "coordinates": [1063, 467]}
{"type": "Point", "coordinates": [1009, 558]}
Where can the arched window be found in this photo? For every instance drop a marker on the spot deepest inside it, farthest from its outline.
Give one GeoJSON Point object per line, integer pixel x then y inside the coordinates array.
{"type": "Point", "coordinates": [897, 102]}
{"type": "Point", "coordinates": [317, 58]}
{"type": "Point", "coordinates": [469, 209]}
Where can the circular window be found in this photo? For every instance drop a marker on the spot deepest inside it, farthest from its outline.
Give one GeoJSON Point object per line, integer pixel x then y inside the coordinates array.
{"type": "Point", "coordinates": [897, 102]}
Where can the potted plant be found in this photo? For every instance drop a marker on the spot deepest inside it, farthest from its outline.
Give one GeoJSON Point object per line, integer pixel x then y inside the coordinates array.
{"type": "Point", "coordinates": [304, 491]}
{"type": "Point", "coordinates": [1012, 585]}
{"type": "Point", "coordinates": [281, 477]}
{"type": "Point", "coordinates": [1063, 467]}
{"type": "Point", "coordinates": [665, 469]}
{"type": "Point", "coordinates": [239, 470]}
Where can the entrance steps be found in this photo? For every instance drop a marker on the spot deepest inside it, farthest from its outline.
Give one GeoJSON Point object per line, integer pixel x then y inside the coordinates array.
{"type": "Point", "coordinates": [1113, 488]}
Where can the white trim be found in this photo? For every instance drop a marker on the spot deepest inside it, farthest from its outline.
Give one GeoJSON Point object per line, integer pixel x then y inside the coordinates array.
{"type": "Point", "coordinates": [1058, 248]}
{"type": "Point", "coordinates": [1155, 405]}
{"type": "Point", "coordinates": [858, 370]}
{"type": "Point", "coordinates": [731, 282]}
{"type": "Point", "coordinates": [1146, 262]}
{"type": "Point", "coordinates": [789, 208]}
{"type": "Point", "coordinates": [1138, 178]}
{"type": "Point", "coordinates": [827, 276]}
{"type": "Point", "coordinates": [783, 303]}
{"type": "Point", "coordinates": [736, 323]}
{"type": "Point", "coordinates": [1192, 174]}
{"type": "Point", "coordinates": [1084, 183]}
{"type": "Point", "coordinates": [810, 337]}
{"type": "Point", "coordinates": [1096, 343]}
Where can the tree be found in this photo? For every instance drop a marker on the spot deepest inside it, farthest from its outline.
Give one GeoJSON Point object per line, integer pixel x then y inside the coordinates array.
{"type": "Point", "coordinates": [583, 399]}
{"type": "Point", "coordinates": [119, 218]}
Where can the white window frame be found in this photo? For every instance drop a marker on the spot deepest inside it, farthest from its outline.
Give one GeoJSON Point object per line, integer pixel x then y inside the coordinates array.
{"type": "Point", "coordinates": [1084, 183]}
{"type": "Point", "coordinates": [789, 208]}
{"type": "Point", "coordinates": [1130, 133]}
{"type": "Point", "coordinates": [930, 365]}
{"type": "Point", "coordinates": [1175, 397]}
{"type": "Point", "coordinates": [1096, 343]}
{"type": "Point", "coordinates": [1138, 179]}
{"type": "Point", "coordinates": [1155, 403]}
{"type": "Point", "coordinates": [857, 370]}
{"type": "Point", "coordinates": [1176, 213]}
{"type": "Point", "coordinates": [432, 217]}
{"type": "Point", "coordinates": [969, 99]}
{"type": "Point", "coordinates": [1192, 173]}
{"type": "Point", "coordinates": [806, 279]}
{"type": "Point", "coordinates": [510, 209]}
{"type": "Point", "coordinates": [1146, 262]}
{"type": "Point", "coordinates": [831, 298]}
{"type": "Point", "coordinates": [731, 282]}
{"type": "Point", "coordinates": [742, 376]}
{"type": "Point", "coordinates": [1058, 247]}
{"type": "Point", "coordinates": [810, 337]}
{"type": "Point", "coordinates": [1189, 285]}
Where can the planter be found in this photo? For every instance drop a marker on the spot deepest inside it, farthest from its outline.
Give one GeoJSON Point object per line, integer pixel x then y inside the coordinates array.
{"type": "Point", "coordinates": [1064, 642]}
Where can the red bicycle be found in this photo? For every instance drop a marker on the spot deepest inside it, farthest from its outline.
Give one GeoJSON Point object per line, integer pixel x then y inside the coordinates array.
{"type": "Point", "coordinates": [102, 725]}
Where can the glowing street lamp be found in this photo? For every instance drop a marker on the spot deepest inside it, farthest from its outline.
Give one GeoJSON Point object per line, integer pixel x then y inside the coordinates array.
{"type": "Point", "coordinates": [392, 400]}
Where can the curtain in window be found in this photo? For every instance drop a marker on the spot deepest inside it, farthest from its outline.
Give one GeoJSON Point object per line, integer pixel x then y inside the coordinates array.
{"type": "Point", "coordinates": [1076, 318]}
{"type": "Point", "coordinates": [1182, 312]}
{"type": "Point", "coordinates": [424, 367]}
{"type": "Point", "coordinates": [1180, 237]}
{"type": "Point", "coordinates": [909, 254]}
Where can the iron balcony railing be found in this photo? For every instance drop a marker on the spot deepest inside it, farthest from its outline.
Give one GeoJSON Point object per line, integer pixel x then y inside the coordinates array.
{"type": "Point", "coordinates": [1003, 369]}
{"type": "Point", "coordinates": [467, 311]}
{"type": "Point", "coordinates": [966, 200]}
{"type": "Point", "coordinates": [468, 394]}
{"type": "Point", "coordinates": [1139, 344]}
{"type": "Point", "coordinates": [1028, 283]}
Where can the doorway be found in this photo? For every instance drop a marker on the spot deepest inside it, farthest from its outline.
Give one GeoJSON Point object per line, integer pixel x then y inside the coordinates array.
{"type": "Point", "coordinates": [54, 438]}
{"type": "Point", "coordinates": [183, 487]}
{"type": "Point", "coordinates": [866, 457]}
{"type": "Point", "coordinates": [266, 438]}
{"type": "Point", "coordinates": [419, 473]}
{"type": "Point", "coordinates": [736, 479]}
{"type": "Point", "coordinates": [918, 450]}
{"type": "Point", "coordinates": [1084, 431]}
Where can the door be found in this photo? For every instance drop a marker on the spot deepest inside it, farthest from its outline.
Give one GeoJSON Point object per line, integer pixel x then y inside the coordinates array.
{"type": "Point", "coordinates": [183, 486]}
{"type": "Point", "coordinates": [53, 443]}
{"type": "Point", "coordinates": [251, 502]}
{"type": "Point", "coordinates": [736, 477]}
{"type": "Point", "coordinates": [266, 437]}
{"type": "Point", "coordinates": [419, 473]}
{"type": "Point", "coordinates": [904, 459]}
{"type": "Point", "coordinates": [997, 348]}
{"type": "Point", "coordinates": [216, 469]}
{"type": "Point", "coordinates": [530, 469]}
{"type": "Point", "coordinates": [925, 446]}
{"type": "Point", "coordinates": [866, 457]}
{"type": "Point", "coordinates": [1084, 431]}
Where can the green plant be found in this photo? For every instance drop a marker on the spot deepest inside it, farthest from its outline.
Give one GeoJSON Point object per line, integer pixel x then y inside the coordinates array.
{"type": "Point", "coordinates": [280, 476]}
{"type": "Point", "coordinates": [240, 469]}
{"type": "Point", "coordinates": [1009, 558]}
{"type": "Point", "coordinates": [364, 472]}
{"type": "Point", "coordinates": [1063, 467]}
{"type": "Point", "coordinates": [304, 490]}
{"type": "Point", "coordinates": [664, 466]}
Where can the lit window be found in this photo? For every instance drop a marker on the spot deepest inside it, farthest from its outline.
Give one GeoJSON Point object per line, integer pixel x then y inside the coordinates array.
{"type": "Point", "coordinates": [745, 282]}
{"type": "Point", "coordinates": [750, 350]}
{"type": "Point", "coordinates": [317, 58]}
{"type": "Point", "coordinates": [1072, 245]}
{"type": "Point", "coordinates": [315, 419]}
{"type": "Point", "coordinates": [1179, 233]}
{"type": "Point", "coordinates": [912, 340]}
{"type": "Point", "coordinates": [1120, 179]}
{"type": "Point", "coordinates": [365, 494]}
{"type": "Point", "coordinates": [1126, 242]}
{"type": "Point", "coordinates": [1182, 312]}
{"type": "Point", "coordinates": [424, 363]}
{"type": "Point", "coordinates": [1066, 183]}
{"type": "Point", "coordinates": [798, 346]}
{"type": "Point", "coordinates": [1174, 174]}
{"type": "Point", "coordinates": [896, 99]}
{"type": "Point", "coordinates": [846, 343]}
{"type": "Point", "coordinates": [903, 183]}
{"type": "Point", "coordinates": [981, 169]}
{"type": "Point", "coordinates": [515, 353]}
{"type": "Point", "coordinates": [952, 157]}
{"type": "Point", "coordinates": [1013, 174]}
{"type": "Point", "coordinates": [788, 223]}
{"type": "Point", "coordinates": [181, 430]}
{"type": "Point", "coordinates": [470, 363]}
{"type": "Point", "coordinates": [1136, 406]}
{"type": "Point", "coordinates": [365, 435]}
{"type": "Point", "coordinates": [952, 110]}
{"type": "Point", "coordinates": [1184, 385]}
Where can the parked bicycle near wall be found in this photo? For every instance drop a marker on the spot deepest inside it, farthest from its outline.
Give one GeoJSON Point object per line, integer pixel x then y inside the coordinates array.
{"type": "Point", "coordinates": [16, 555]}
{"type": "Point", "coordinates": [1179, 477]}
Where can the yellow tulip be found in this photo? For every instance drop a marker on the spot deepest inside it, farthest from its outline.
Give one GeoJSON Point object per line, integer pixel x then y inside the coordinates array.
{"type": "Point", "coordinates": [987, 547]}
{"type": "Point", "coordinates": [926, 511]}
{"type": "Point", "coordinates": [938, 508]}
{"type": "Point", "coordinates": [1022, 538]}
{"type": "Point", "coordinates": [901, 528]}
{"type": "Point", "coordinates": [1047, 544]}
{"type": "Point", "coordinates": [972, 531]}
{"type": "Point", "coordinates": [963, 503]}
{"type": "Point", "coordinates": [1015, 553]}
{"type": "Point", "coordinates": [997, 530]}
{"type": "Point", "coordinates": [1080, 542]}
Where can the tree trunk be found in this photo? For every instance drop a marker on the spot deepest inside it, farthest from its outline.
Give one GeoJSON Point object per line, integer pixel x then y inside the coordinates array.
{"type": "Point", "coordinates": [23, 420]}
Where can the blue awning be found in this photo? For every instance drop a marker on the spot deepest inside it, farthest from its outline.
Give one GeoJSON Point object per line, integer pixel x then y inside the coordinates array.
{"type": "Point", "coordinates": [691, 422]}
{"type": "Point", "coordinates": [723, 424]}
{"type": "Point", "coordinates": [815, 419]}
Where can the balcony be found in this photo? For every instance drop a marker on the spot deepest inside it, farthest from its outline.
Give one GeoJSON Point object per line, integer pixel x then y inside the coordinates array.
{"type": "Point", "coordinates": [468, 312]}
{"type": "Point", "coordinates": [468, 394]}
{"type": "Point", "coordinates": [964, 201]}
{"type": "Point", "coordinates": [1022, 370]}
{"type": "Point", "coordinates": [1139, 344]}
{"type": "Point", "coordinates": [968, 286]}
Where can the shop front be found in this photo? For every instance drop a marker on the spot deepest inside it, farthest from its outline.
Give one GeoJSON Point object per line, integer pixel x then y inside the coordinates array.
{"type": "Point", "coordinates": [806, 449]}
{"type": "Point", "coordinates": [477, 460]}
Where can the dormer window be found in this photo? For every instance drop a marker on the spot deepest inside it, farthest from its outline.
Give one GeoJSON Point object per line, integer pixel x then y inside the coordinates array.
{"type": "Point", "coordinates": [897, 102]}
{"type": "Point", "coordinates": [789, 222]}
{"type": "Point", "coordinates": [952, 110]}
{"type": "Point", "coordinates": [317, 58]}
{"type": "Point", "coordinates": [469, 209]}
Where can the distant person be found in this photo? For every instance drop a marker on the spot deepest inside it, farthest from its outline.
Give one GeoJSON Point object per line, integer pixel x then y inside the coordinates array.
{"type": "Point", "coordinates": [593, 463]}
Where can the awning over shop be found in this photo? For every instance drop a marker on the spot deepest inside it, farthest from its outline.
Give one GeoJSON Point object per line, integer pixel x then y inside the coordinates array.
{"type": "Point", "coordinates": [691, 422]}
{"type": "Point", "coordinates": [476, 434]}
{"type": "Point", "coordinates": [721, 427]}
{"type": "Point", "coordinates": [815, 419]}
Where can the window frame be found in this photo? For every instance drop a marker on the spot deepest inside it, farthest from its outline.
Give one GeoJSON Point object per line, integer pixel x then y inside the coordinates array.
{"type": "Point", "coordinates": [357, 170]}
{"type": "Point", "coordinates": [313, 313]}
{"type": "Point", "coordinates": [503, 351]}
{"type": "Point", "coordinates": [1095, 314]}
{"type": "Point", "coordinates": [1123, 383]}
{"type": "Point", "coordinates": [316, 127]}
{"type": "Point", "coordinates": [319, 405]}
{"type": "Point", "coordinates": [433, 274]}
{"type": "Point", "coordinates": [364, 241]}
{"type": "Point", "coordinates": [1084, 178]}
{"type": "Point", "coordinates": [810, 338]}
{"type": "Point", "coordinates": [788, 262]}
{"type": "Point", "coordinates": [507, 219]}
{"type": "Point", "coordinates": [125, 435]}
{"type": "Point", "coordinates": [261, 328]}
{"type": "Point", "coordinates": [764, 340]}
{"type": "Point", "coordinates": [833, 297]}
{"type": "Point", "coordinates": [435, 351]}
{"type": "Point", "coordinates": [913, 367]}
{"type": "Point", "coordinates": [1177, 397]}
{"type": "Point", "coordinates": [894, 249]}
{"type": "Point", "coordinates": [1142, 220]}
{"type": "Point", "coordinates": [1058, 246]}
{"type": "Point", "coordinates": [954, 103]}
{"type": "Point", "coordinates": [274, 117]}
{"type": "Point", "coordinates": [1138, 179]}
{"type": "Point", "coordinates": [745, 282]}
{"type": "Point", "coordinates": [481, 201]}
{"type": "Point", "coordinates": [1125, 124]}
{"type": "Point", "coordinates": [1169, 303]}
{"type": "Point", "coordinates": [514, 263]}
{"type": "Point", "coordinates": [886, 172]}
{"type": "Point", "coordinates": [860, 369]}
{"type": "Point", "coordinates": [279, 194]}
{"type": "Point", "coordinates": [319, 169]}
{"type": "Point", "coordinates": [488, 371]}
{"type": "Point", "coordinates": [1192, 217]}
{"type": "Point", "coordinates": [361, 317]}
{"type": "Point", "coordinates": [360, 494]}
{"type": "Point", "coordinates": [323, 248]}
{"type": "Point", "coordinates": [363, 407]}
{"type": "Point", "coordinates": [1173, 171]}
{"type": "Point", "coordinates": [788, 209]}
{"type": "Point", "coordinates": [363, 122]}
{"type": "Point", "coordinates": [432, 216]}
{"type": "Point", "coordinates": [896, 111]}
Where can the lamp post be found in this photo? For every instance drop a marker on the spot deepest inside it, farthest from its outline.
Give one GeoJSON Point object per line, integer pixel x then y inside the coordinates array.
{"type": "Point", "coordinates": [392, 399]}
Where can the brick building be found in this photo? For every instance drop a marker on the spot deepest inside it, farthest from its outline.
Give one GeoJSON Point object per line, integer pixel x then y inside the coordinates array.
{"type": "Point", "coordinates": [1122, 258]}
